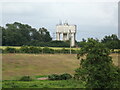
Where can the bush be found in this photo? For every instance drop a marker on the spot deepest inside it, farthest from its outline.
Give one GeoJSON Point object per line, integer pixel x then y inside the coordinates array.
{"type": "Point", "coordinates": [10, 50]}
{"type": "Point", "coordinates": [24, 49]}
{"type": "Point", "coordinates": [64, 76]}
{"type": "Point", "coordinates": [48, 50]}
{"type": "Point", "coordinates": [65, 51]}
{"type": "Point", "coordinates": [1, 50]}
{"type": "Point", "coordinates": [31, 49]}
{"type": "Point", "coordinates": [25, 78]}
{"type": "Point", "coordinates": [54, 77]}
{"type": "Point", "coordinates": [35, 50]}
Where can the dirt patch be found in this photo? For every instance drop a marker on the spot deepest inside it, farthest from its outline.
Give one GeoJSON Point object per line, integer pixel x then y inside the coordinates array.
{"type": "Point", "coordinates": [43, 78]}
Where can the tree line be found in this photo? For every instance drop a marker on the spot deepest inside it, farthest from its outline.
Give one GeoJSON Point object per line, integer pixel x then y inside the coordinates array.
{"type": "Point", "coordinates": [110, 41]}
{"type": "Point", "coordinates": [18, 34]}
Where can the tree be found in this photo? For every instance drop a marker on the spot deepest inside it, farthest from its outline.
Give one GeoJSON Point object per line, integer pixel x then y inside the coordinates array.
{"type": "Point", "coordinates": [111, 41]}
{"type": "Point", "coordinates": [18, 34]}
{"type": "Point", "coordinates": [45, 35]}
{"type": "Point", "coordinates": [82, 43]}
{"type": "Point", "coordinates": [97, 69]}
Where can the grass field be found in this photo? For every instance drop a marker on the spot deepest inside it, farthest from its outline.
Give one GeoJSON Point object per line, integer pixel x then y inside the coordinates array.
{"type": "Point", "coordinates": [17, 65]}
{"type": "Point", "coordinates": [43, 84]}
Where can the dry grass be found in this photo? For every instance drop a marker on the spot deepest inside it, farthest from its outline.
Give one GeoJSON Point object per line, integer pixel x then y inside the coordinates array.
{"type": "Point", "coordinates": [17, 65]}
{"type": "Point", "coordinates": [39, 64]}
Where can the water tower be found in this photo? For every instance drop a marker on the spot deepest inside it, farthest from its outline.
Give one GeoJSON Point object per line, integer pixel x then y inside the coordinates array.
{"type": "Point", "coordinates": [67, 31]}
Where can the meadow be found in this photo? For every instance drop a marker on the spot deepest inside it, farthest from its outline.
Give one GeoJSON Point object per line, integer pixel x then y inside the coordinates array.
{"type": "Point", "coordinates": [16, 65]}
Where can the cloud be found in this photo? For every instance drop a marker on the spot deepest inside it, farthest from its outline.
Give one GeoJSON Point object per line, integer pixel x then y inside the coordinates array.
{"type": "Point", "coordinates": [17, 8]}
{"type": "Point", "coordinates": [92, 18]}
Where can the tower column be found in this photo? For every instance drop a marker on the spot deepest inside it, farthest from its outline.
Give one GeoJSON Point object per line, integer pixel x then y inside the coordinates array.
{"type": "Point", "coordinates": [68, 36]}
{"type": "Point", "coordinates": [72, 39]}
{"type": "Point", "coordinates": [58, 36]}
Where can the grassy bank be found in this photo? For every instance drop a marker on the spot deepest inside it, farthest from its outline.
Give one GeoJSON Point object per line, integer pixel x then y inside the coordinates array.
{"type": "Point", "coordinates": [17, 65]}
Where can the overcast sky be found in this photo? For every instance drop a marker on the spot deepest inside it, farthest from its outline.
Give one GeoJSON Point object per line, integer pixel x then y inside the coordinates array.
{"type": "Point", "coordinates": [93, 19]}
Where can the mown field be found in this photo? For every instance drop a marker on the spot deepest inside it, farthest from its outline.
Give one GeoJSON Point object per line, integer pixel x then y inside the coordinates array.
{"type": "Point", "coordinates": [16, 65]}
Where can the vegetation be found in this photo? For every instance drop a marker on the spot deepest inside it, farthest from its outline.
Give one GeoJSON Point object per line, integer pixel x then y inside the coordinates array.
{"type": "Point", "coordinates": [25, 78]}
{"type": "Point", "coordinates": [64, 76]}
{"type": "Point", "coordinates": [18, 34]}
{"type": "Point", "coordinates": [15, 66]}
{"type": "Point", "coordinates": [111, 41]}
{"type": "Point", "coordinates": [43, 84]}
{"type": "Point", "coordinates": [44, 50]}
{"type": "Point", "coordinates": [97, 69]}
{"type": "Point", "coordinates": [38, 50]}
{"type": "Point", "coordinates": [10, 50]}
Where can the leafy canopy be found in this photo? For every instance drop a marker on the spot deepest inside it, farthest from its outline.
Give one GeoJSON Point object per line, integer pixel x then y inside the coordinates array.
{"type": "Point", "coordinates": [96, 67]}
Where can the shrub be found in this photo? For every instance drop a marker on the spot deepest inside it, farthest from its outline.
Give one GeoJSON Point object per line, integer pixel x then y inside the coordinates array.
{"type": "Point", "coordinates": [1, 50]}
{"type": "Point", "coordinates": [10, 50]}
{"type": "Point", "coordinates": [25, 78]}
{"type": "Point", "coordinates": [64, 76]}
{"type": "Point", "coordinates": [47, 50]}
{"type": "Point", "coordinates": [34, 50]}
{"type": "Point", "coordinates": [24, 49]}
{"type": "Point", "coordinates": [54, 77]}
{"type": "Point", "coordinates": [65, 51]}
{"type": "Point", "coordinates": [31, 49]}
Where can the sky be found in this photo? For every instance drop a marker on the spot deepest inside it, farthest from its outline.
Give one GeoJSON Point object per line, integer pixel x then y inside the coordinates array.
{"type": "Point", "coordinates": [94, 19]}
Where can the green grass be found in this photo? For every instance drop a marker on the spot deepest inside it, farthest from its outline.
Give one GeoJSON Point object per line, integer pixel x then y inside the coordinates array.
{"type": "Point", "coordinates": [43, 84]}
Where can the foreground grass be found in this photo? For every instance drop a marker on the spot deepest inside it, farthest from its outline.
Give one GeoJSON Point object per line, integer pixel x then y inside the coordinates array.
{"type": "Point", "coordinates": [43, 84]}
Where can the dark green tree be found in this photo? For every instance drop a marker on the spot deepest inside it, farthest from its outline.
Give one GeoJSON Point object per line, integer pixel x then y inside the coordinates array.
{"type": "Point", "coordinates": [45, 35]}
{"type": "Point", "coordinates": [82, 43]}
{"type": "Point", "coordinates": [111, 41]}
{"type": "Point", "coordinates": [96, 67]}
{"type": "Point", "coordinates": [18, 34]}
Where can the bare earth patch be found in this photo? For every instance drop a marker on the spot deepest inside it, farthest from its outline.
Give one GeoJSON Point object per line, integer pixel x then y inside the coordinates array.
{"type": "Point", "coordinates": [43, 78]}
